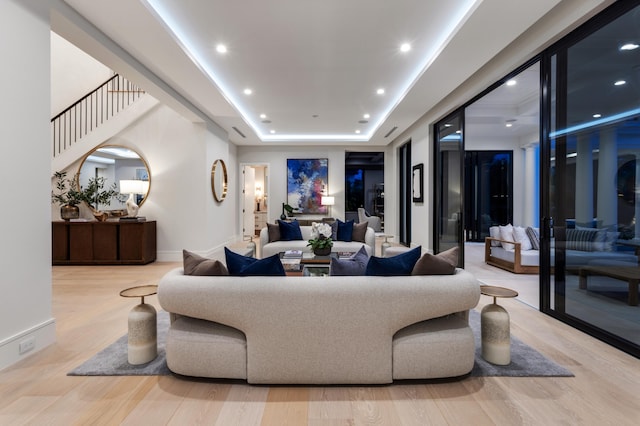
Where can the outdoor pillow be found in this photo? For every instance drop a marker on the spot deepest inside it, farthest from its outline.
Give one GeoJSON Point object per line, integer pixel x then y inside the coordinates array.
{"type": "Point", "coordinates": [534, 237]}
{"type": "Point", "coordinates": [354, 265]}
{"type": "Point", "coordinates": [345, 230]}
{"type": "Point", "coordinates": [401, 264]}
{"type": "Point", "coordinates": [443, 263]}
{"type": "Point", "coordinates": [289, 231]}
{"type": "Point", "coordinates": [198, 265]}
{"type": "Point", "coordinates": [243, 266]}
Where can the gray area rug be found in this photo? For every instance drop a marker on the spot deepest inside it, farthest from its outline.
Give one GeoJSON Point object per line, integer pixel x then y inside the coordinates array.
{"type": "Point", "coordinates": [112, 361]}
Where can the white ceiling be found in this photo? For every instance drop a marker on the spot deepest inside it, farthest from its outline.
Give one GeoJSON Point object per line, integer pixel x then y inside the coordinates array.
{"type": "Point", "coordinates": [313, 66]}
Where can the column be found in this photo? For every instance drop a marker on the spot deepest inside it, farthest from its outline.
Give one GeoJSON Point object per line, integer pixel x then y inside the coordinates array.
{"type": "Point", "coordinates": [584, 181]}
{"type": "Point", "coordinates": [607, 172]}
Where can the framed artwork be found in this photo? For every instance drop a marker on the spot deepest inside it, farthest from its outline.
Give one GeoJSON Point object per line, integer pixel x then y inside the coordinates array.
{"type": "Point", "coordinates": [418, 183]}
{"type": "Point", "coordinates": [306, 184]}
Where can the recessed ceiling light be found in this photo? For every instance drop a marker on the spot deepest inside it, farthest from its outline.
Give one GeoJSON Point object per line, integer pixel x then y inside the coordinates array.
{"type": "Point", "coordinates": [380, 91]}
{"type": "Point", "coordinates": [248, 91]}
{"type": "Point", "coordinates": [458, 131]}
{"type": "Point", "coordinates": [619, 83]}
{"type": "Point", "coordinates": [597, 115]}
{"type": "Point", "coordinates": [629, 46]}
{"type": "Point", "coordinates": [263, 116]}
{"type": "Point", "coordinates": [221, 48]}
{"type": "Point", "coordinates": [358, 131]}
{"type": "Point", "coordinates": [511, 82]}
{"type": "Point", "coordinates": [509, 125]}
{"type": "Point", "coordinates": [272, 131]}
{"type": "Point", "coordinates": [405, 47]}
{"type": "Point", "coordinates": [366, 116]}
{"type": "Point", "coordinates": [448, 125]}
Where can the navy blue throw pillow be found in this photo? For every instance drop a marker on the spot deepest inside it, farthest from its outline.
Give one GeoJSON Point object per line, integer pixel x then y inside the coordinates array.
{"type": "Point", "coordinates": [245, 266]}
{"type": "Point", "coordinates": [345, 230]}
{"type": "Point", "coordinates": [401, 264]}
{"type": "Point", "coordinates": [289, 231]}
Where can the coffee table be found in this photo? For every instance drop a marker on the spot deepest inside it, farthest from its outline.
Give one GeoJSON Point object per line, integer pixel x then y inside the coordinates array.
{"type": "Point", "coordinates": [630, 274]}
{"type": "Point", "coordinates": [495, 326]}
{"type": "Point", "coordinates": [142, 338]}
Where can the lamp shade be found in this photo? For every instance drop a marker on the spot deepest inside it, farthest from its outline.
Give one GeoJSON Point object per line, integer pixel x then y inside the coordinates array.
{"type": "Point", "coordinates": [134, 186]}
{"type": "Point", "coordinates": [327, 201]}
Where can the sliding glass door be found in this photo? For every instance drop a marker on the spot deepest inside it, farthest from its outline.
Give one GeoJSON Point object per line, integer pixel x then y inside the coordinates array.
{"type": "Point", "coordinates": [449, 172]}
{"type": "Point", "coordinates": [591, 200]}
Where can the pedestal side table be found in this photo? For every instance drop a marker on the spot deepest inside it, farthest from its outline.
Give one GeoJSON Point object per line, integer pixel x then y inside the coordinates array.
{"type": "Point", "coordinates": [142, 339]}
{"type": "Point", "coordinates": [495, 326]}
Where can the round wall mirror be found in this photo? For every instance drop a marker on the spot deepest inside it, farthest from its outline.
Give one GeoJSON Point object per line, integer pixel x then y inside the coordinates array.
{"type": "Point", "coordinates": [116, 164]}
{"type": "Point", "coordinates": [219, 180]}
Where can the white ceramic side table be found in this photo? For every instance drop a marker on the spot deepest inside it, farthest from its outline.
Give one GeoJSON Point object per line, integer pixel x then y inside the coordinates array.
{"type": "Point", "coordinates": [495, 327]}
{"type": "Point", "coordinates": [142, 337]}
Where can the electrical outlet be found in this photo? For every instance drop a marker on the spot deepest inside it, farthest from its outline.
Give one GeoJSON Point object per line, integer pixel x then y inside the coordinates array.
{"type": "Point", "coordinates": [27, 345]}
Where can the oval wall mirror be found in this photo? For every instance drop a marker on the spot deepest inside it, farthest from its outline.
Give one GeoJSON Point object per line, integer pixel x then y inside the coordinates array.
{"type": "Point", "coordinates": [116, 163]}
{"type": "Point", "coordinates": [219, 180]}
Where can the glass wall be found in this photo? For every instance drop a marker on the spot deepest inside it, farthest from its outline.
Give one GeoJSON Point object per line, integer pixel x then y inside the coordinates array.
{"type": "Point", "coordinates": [593, 186]}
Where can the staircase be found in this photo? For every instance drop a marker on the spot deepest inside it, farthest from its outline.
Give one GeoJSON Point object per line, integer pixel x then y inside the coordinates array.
{"type": "Point", "coordinates": [95, 118]}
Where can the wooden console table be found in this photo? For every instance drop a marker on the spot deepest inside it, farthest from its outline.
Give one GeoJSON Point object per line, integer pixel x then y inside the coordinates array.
{"type": "Point", "coordinates": [103, 243]}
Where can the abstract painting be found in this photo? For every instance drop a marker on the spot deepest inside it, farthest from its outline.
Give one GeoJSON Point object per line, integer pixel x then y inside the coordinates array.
{"type": "Point", "coordinates": [306, 184]}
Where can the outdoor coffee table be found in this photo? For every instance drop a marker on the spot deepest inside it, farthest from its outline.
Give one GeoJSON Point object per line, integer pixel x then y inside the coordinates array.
{"type": "Point", "coordinates": [142, 337]}
{"type": "Point", "coordinates": [495, 326]}
{"type": "Point", "coordinates": [630, 274]}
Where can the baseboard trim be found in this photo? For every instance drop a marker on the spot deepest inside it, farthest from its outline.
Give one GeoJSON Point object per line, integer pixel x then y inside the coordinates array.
{"type": "Point", "coordinates": [37, 338]}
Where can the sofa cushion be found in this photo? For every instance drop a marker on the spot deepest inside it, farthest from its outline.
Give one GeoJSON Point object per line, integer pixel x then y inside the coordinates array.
{"type": "Point", "coordinates": [354, 265]}
{"type": "Point", "coordinates": [401, 264]}
{"type": "Point", "coordinates": [443, 263]}
{"type": "Point", "coordinates": [248, 266]}
{"type": "Point", "coordinates": [581, 239]}
{"type": "Point", "coordinates": [506, 233]}
{"type": "Point", "coordinates": [520, 236]}
{"type": "Point", "coordinates": [194, 264]}
{"type": "Point", "coordinates": [494, 232]}
{"type": "Point", "coordinates": [273, 229]}
{"type": "Point", "coordinates": [534, 238]}
{"type": "Point", "coordinates": [345, 230]}
{"type": "Point", "coordinates": [289, 231]}
{"type": "Point", "coordinates": [359, 231]}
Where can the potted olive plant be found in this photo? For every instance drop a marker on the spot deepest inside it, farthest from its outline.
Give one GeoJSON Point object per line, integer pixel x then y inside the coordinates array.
{"type": "Point", "coordinates": [66, 195]}
{"type": "Point", "coordinates": [94, 194]}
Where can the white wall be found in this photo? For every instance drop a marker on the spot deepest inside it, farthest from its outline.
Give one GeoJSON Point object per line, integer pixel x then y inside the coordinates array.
{"type": "Point", "coordinates": [73, 74]}
{"type": "Point", "coordinates": [180, 155]}
{"type": "Point", "coordinates": [25, 252]}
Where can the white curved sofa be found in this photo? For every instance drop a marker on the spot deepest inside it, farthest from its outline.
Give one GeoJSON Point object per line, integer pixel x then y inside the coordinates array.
{"type": "Point", "coordinates": [319, 330]}
{"type": "Point", "coordinates": [270, 248]}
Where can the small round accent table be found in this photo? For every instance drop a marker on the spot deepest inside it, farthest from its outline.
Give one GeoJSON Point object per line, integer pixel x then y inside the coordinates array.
{"type": "Point", "coordinates": [495, 328]}
{"type": "Point", "coordinates": [142, 338]}
{"type": "Point", "coordinates": [385, 245]}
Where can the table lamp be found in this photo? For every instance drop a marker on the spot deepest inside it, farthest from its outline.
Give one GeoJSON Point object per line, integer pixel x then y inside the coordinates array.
{"type": "Point", "coordinates": [327, 201]}
{"type": "Point", "coordinates": [133, 187]}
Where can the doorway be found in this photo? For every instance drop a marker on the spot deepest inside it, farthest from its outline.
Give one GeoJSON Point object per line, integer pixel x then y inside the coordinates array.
{"type": "Point", "coordinates": [255, 207]}
{"type": "Point", "coordinates": [488, 195]}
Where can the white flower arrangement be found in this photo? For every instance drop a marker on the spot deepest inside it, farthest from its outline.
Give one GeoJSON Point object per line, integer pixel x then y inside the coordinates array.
{"type": "Point", "coordinates": [320, 230]}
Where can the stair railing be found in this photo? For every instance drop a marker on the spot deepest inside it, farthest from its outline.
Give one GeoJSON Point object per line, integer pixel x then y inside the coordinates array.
{"type": "Point", "coordinates": [91, 111]}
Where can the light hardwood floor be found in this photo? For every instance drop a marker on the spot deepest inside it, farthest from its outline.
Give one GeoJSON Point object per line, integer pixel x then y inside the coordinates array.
{"type": "Point", "coordinates": [90, 315]}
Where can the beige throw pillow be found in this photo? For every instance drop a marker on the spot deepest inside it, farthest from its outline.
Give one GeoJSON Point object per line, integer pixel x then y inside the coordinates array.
{"type": "Point", "coordinates": [437, 264]}
{"type": "Point", "coordinates": [198, 265]}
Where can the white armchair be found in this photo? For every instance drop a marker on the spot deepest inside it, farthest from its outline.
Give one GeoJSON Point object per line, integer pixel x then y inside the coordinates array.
{"type": "Point", "coordinates": [374, 221]}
